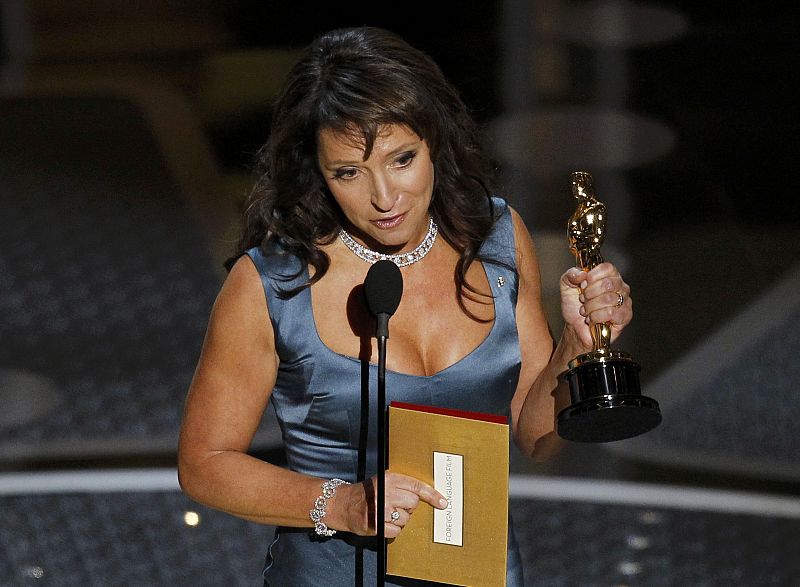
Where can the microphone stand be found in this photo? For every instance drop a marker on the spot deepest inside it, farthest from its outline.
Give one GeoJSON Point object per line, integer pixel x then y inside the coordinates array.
{"type": "Point", "coordinates": [382, 335]}
{"type": "Point", "coordinates": [383, 289]}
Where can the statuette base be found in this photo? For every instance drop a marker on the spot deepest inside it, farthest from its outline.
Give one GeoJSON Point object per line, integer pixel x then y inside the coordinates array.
{"type": "Point", "coordinates": [607, 403]}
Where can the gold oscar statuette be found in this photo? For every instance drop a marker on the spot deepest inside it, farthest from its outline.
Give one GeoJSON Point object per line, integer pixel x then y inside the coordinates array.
{"type": "Point", "coordinates": [607, 403]}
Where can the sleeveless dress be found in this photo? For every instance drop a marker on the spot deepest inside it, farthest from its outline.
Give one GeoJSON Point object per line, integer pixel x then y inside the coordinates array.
{"type": "Point", "coordinates": [329, 432]}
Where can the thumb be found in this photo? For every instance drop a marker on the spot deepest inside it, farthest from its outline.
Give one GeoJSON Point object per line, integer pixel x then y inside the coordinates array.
{"type": "Point", "coordinates": [573, 278]}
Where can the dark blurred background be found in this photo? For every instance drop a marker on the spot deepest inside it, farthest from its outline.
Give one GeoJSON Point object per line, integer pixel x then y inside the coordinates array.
{"type": "Point", "coordinates": [127, 138]}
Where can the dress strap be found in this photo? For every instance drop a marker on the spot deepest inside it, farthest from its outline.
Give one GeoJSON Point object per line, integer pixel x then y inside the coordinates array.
{"type": "Point", "coordinates": [498, 254]}
{"type": "Point", "coordinates": [291, 317]}
{"type": "Point", "coordinates": [499, 245]}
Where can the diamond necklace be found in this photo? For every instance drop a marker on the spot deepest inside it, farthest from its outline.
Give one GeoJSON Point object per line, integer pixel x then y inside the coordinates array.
{"type": "Point", "coordinates": [399, 259]}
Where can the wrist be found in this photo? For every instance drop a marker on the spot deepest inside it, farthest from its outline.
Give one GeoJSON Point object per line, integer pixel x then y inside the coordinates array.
{"type": "Point", "coordinates": [573, 343]}
{"type": "Point", "coordinates": [322, 505]}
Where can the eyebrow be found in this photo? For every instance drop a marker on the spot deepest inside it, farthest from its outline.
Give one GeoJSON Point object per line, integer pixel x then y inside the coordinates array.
{"type": "Point", "coordinates": [409, 146]}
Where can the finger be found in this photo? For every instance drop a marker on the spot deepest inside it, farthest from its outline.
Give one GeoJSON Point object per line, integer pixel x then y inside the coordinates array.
{"type": "Point", "coordinates": [409, 499]}
{"type": "Point", "coordinates": [609, 283]}
{"type": "Point", "coordinates": [601, 271]}
{"type": "Point", "coordinates": [397, 505]}
{"type": "Point", "coordinates": [400, 493]}
{"type": "Point", "coordinates": [616, 316]}
{"type": "Point", "coordinates": [608, 316]}
{"type": "Point", "coordinates": [398, 497]}
{"type": "Point", "coordinates": [573, 277]}
{"type": "Point", "coordinates": [398, 517]}
{"type": "Point", "coordinates": [429, 495]}
{"type": "Point", "coordinates": [391, 531]}
{"type": "Point", "coordinates": [410, 491]}
{"type": "Point", "coordinates": [611, 299]}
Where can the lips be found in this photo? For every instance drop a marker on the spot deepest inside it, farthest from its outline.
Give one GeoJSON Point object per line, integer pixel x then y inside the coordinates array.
{"type": "Point", "coordinates": [391, 222]}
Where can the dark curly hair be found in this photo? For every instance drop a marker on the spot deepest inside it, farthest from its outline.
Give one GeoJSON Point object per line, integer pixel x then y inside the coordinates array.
{"type": "Point", "coordinates": [361, 79]}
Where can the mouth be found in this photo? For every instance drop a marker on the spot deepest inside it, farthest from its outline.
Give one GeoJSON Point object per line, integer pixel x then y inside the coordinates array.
{"type": "Point", "coordinates": [391, 222]}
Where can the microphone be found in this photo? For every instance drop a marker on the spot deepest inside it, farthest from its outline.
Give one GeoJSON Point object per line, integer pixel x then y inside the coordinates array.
{"type": "Point", "coordinates": [383, 288]}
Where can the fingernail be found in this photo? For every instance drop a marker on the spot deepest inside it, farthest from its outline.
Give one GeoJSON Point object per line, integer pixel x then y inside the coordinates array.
{"type": "Point", "coordinates": [443, 502]}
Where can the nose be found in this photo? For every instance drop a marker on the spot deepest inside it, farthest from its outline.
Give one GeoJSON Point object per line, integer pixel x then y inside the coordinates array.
{"type": "Point", "coordinates": [383, 195]}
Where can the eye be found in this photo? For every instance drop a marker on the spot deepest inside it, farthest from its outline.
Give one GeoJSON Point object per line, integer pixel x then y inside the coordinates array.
{"type": "Point", "coordinates": [405, 159]}
{"type": "Point", "coordinates": [345, 173]}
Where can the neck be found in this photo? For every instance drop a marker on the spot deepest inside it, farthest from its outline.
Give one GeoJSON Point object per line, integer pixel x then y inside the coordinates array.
{"type": "Point", "coordinates": [400, 259]}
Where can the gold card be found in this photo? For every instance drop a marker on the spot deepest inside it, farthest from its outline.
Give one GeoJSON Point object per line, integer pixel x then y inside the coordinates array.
{"type": "Point", "coordinates": [465, 456]}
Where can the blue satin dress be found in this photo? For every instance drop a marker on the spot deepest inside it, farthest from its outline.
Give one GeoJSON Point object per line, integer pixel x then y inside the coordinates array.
{"type": "Point", "coordinates": [318, 403]}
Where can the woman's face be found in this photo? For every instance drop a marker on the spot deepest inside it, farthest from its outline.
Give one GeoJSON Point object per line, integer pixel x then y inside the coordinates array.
{"type": "Point", "coordinates": [385, 198]}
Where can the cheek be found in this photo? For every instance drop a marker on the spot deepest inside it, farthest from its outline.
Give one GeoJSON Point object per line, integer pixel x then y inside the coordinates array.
{"type": "Point", "coordinates": [419, 183]}
{"type": "Point", "coordinates": [346, 199]}
{"type": "Point", "coordinates": [425, 181]}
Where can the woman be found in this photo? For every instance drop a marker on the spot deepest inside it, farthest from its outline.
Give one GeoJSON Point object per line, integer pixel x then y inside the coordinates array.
{"type": "Point", "coordinates": [371, 154]}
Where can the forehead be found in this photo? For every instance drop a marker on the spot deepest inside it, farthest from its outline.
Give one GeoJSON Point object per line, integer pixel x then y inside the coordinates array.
{"type": "Point", "coordinates": [351, 143]}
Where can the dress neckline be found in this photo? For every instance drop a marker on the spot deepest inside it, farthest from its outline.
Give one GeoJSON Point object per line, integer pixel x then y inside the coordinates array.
{"type": "Point", "coordinates": [465, 358]}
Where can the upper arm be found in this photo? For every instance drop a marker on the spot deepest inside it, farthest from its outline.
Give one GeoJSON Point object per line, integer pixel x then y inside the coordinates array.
{"type": "Point", "coordinates": [535, 340]}
{"type": "Point", "coordinates": [236, 370]}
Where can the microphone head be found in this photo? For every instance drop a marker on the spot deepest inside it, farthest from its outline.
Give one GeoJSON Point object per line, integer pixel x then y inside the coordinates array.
{"type": "Point", "coordinates": [383, 288]}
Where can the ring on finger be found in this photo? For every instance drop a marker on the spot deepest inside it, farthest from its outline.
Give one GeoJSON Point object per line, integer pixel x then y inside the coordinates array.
{"type": "Point", "coordinates": [395, 516]}
{"type": "Point", "coordinates": [620, 299]}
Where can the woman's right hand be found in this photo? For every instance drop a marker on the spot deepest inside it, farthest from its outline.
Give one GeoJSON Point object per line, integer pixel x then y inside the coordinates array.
{"type": "Point", "coordinates": [403, 495]}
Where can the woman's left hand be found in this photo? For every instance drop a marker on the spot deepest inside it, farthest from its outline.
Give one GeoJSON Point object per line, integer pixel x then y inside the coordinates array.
{"type": "Point", "coordinates": [595, 297]}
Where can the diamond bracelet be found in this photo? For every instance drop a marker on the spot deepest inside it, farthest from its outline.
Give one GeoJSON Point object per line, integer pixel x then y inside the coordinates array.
{"type": "Point", "coordinates": [316, 515]}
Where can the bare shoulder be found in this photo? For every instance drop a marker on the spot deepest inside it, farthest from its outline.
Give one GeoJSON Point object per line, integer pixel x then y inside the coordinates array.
{"type": "Point", "coordinates": [240, 318]}
{"type": "Point", "coordinates": [243, 278]}
{"type": "Point", "coordinates": [242, 294]}
{"type": "Point", "coordinates": [519, 223]}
